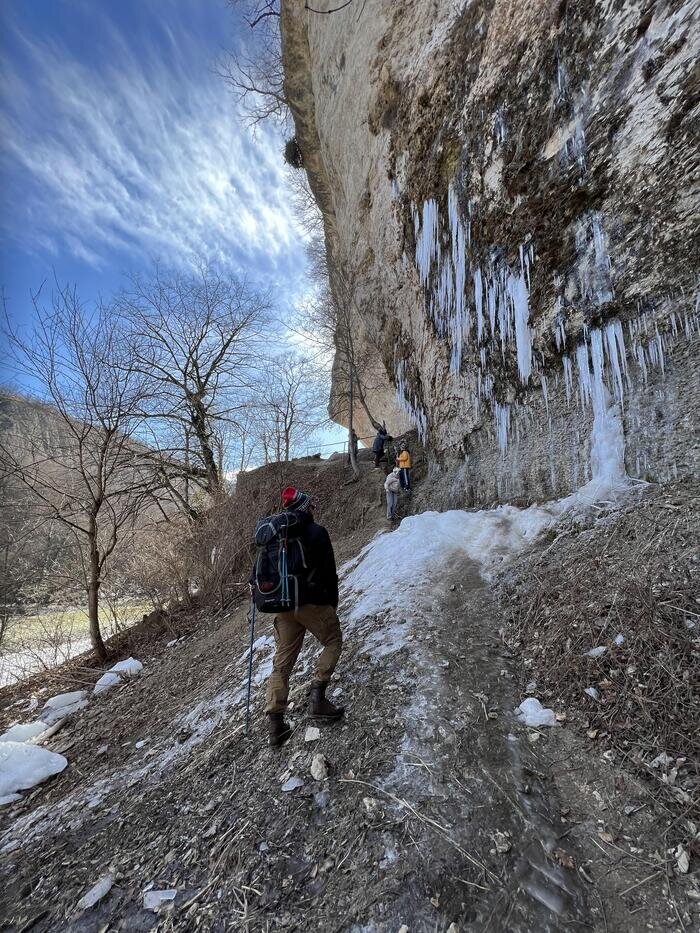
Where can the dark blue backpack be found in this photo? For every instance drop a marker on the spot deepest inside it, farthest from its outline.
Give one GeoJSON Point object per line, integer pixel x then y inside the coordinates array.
{"type": "Point", "coordinates": [280, 564]}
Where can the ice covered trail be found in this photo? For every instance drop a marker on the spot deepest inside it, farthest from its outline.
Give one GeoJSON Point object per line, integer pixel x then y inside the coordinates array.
{"type": "Point", "coordinates": [465, 762]}
{"type": "Point", "coordinates": [430, 811]}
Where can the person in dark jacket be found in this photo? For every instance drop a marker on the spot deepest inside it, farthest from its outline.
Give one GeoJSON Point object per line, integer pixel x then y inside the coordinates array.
{"type": "Point", "coordinates": [316, 613]}
{"type": "Point", "coordinates": [378, 446]}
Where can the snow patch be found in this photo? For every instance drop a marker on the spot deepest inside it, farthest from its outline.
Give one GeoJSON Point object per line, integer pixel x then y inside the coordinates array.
{"type": "Point", "coordinates": [24, 766]}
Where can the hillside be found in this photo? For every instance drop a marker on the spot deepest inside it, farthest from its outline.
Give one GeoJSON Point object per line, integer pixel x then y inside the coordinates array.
{"type": "Point", "coordinates": [435, 805]}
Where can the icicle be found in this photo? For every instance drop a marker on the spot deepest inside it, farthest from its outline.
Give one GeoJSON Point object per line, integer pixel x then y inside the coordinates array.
{"type": "Point", "coordinates": [598, 361]}
{"type": "Point", "coordinates": [568, 377]}
{"type": "Point", "coordinates": [478, 303]}
{"type": "Point", "coordinates": [545, 393]}
{"type": "Point", "coordinates": [519, 297]}
{"type": "Point", "coordinates": [501, 415]}
{"type": "Point", "coordinates": [613, 350]}
{"type": "Point", "coordinates": [584, 373]}
{"type": "Point", "coordinates": [427, 245]}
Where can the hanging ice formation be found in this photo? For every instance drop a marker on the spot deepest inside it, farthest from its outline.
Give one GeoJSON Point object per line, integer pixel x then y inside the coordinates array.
{"type": "Point", "coordinates": [487, 305]}
{"type": "Point", "coordinates": [408, 402]}
{"type": "Point", "coordinates": [492, 298]}
{"type": "Point", "coordinates": [595, 269]}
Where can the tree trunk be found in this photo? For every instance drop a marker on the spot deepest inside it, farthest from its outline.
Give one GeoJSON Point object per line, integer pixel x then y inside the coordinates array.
{"type": "Point", "coordinates": [199, 423]}
{"type": "Point", "coordinates": [351, 446]}
{"type": "Point", "coordinates": [93, 595]}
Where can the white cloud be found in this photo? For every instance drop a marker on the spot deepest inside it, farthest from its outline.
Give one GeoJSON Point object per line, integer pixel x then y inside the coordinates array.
{"type": "Point", "coordinates": [140, 159]}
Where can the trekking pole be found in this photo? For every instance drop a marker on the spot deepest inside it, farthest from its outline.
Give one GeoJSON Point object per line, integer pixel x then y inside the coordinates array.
{"type": "Point", "coordinates": [250, 667]}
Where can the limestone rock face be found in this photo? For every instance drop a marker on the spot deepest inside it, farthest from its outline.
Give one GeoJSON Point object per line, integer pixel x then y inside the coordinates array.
{"type": "Point", "coordinates": [509, 190]}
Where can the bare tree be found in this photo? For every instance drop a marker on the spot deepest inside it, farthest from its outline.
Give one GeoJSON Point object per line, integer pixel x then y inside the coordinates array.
{"type": "Point", "coordinates": [196, 338]}
{"type": "Point", "coordinates": [253, 70]}
{"type": "Point", "coordinates": [288, 407]}
{"type": "Point", "coordinates": [93, 478]}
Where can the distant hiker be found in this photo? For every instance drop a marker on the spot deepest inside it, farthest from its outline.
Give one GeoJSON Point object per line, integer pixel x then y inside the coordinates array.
{"type": "Point", "coordinates": [353, 442]}
{"type": "Point", "coordinates": [378, 446]}
{"type": "Point", "coordinates": [404, 465]}
{"type": "Point", "coordinates": [392, 486]}
{"type": "Point", "coordinates": [295, 577]}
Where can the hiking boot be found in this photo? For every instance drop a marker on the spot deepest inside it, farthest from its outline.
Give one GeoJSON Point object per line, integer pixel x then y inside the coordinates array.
{"type": "Point", "coordinates": [320, 707]}
{"type": "Point", "coordinates": [278, 729]}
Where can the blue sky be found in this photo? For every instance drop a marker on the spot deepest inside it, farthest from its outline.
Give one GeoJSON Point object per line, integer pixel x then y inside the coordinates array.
{"type": "Point", "coordinates": [119, 145]}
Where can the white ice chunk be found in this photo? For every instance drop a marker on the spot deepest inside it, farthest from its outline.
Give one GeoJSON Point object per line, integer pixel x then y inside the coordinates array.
{"type": "Point", "coordinates": [592, 693]}
{"type": "Point", "coordinates": [96, 893]}
{"type": "Point", "coordinates": [65, 699]}
{"type": "Point", "coordinates": [23, 732]}
{"type": "Point", "coordinates": [662, 761]}
{"type": "Point", "coordinates": [106, 682]}
{"type": "Point", "coordinates": [62, 705]}
{"type": "Point", "coordinates": [24, 766]}
{"type": "Point", "coordinates": [597, 652]}
{"type": "Point", "coordinates": [619, 639]}
{"type": "Point", "coordinates": [128, 668]}
{"type": "Point", "coordinates": [154, 900]}
{"type": "Point", "coordinates": [534, 714]}
{"type": "Point", "coordinates": [292, 784]}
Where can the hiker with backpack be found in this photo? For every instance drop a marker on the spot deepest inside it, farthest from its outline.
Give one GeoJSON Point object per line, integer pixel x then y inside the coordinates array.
{"type": "Point", "coordinates": [404, 464]}
{"type": "Point", "coordinates": [392, 487]}
{"type": "Point", "coordinates": [295, 578]}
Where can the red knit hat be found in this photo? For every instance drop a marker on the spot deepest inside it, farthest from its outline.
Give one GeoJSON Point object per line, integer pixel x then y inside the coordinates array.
{"type": "Point", "coordinates": [293, 498]}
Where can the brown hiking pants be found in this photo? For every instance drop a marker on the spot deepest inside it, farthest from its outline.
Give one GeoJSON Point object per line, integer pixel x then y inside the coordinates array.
{"type": "Point", "coordinates": [290, 628]}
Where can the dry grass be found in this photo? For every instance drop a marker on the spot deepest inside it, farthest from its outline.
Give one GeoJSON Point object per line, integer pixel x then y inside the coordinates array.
{"type": "Point", "coordinates": [632, 573]}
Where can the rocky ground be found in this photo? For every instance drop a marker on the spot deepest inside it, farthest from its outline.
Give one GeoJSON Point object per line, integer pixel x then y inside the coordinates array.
{"type": "Point", "coordinates": [431, 807]}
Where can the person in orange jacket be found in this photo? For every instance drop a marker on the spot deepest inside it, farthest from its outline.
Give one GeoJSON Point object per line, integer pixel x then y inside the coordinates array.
{"type": "Point", "coordinates": [403, 462]}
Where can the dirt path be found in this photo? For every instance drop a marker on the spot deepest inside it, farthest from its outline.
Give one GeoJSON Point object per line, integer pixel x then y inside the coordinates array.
{"type": "Point", "coordinates": [439, 808]}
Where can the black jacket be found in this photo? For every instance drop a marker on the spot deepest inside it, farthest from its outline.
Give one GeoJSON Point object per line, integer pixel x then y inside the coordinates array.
{"type": "Point", "coordinates": [378, 445]}
{"type": "Point", "coordinates": [321, 584]}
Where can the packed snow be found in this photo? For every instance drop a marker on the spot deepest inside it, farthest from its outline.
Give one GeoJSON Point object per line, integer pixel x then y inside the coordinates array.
{"type": "Point", "coordinates": [24, 766]}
